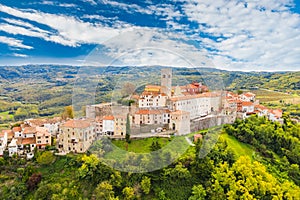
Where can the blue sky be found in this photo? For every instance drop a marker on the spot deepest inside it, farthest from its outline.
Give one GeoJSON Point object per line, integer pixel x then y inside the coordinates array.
{"type": "Point", "coordinates": [233, 35]}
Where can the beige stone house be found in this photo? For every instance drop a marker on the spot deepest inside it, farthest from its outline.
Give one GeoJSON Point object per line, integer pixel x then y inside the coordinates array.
{"type": "Point", "coordinates": [75, 136]}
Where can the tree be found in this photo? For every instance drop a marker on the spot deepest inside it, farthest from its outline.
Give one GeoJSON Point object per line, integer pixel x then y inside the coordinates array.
{"type": "Point", "coordinates": [128, 193]}
{"type": "Point", "coordinates": [46, 158]}
{"type": "Point", "coordinates": [104, 191]}
{"type": "Point", "coordinates": [89, 166]}
{"type": "Point", "coordinates": [128, 131]}
{"type": "Point", "coordinates": [146, 184]}
{"type": "Point", "coordinates": [155, 146]}
{"type": "Point", "coordinates": [33, 181]}
{"type": "Point", "coordinates": [68, 112]}
{"type": "Point", "coordinates": [162, 195]}
{"type": "Point", "coordinates": [198, 192]}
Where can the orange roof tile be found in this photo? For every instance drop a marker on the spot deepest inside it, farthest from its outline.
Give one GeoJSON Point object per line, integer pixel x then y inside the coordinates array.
{"type": "Point", "coordinates": [25, 141]}
{"type": "Point", "coordinates": [179, 112]}
{"type": "Point", "coordinates": [152, 112]}
{"type": "Point", "coordinates": [76, 124]}
{"type": "Point", "coordinates": [247, 103]}
{"type": "Point", "coordinates": [17, 129]}
{"type": "Point", "coordinates": [41, 131]}
{"type": "Point", "coordinates": [10, 133]}
{"type": "Point", "coordinates": [108, 117]}
{"type": "Point", "coordinates": [29, 130]}
{"type": "Point", "coordinates": [261, 107]}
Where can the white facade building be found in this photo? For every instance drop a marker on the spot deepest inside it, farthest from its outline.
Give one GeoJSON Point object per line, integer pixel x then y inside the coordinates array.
{"type": "Point", "coordinates": [108, 125]}
{"type": "Point", "coordinates": [152, 100]}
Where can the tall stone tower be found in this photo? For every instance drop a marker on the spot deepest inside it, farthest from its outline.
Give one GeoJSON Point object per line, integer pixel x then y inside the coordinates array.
{"type": "Point", "coordinates": [166, 81]}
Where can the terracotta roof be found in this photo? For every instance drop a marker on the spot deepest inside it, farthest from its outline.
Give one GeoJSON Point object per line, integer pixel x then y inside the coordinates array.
{"type": "Point", "coordinates": [25, 141]}
{"type": "Point", "coordinates": [152, 112]}
{"type": "Point", "coordinates": [17, 129]}
{"type": "Point", "coordinates": [108, 117]}
{"type": "Point", "coordinates": [247, 103]}
{"type": "Point", "coordinates": [37, 122]}
{"type": "Point", "coordinates": [10, 133]}
{"type": "Point", "coordinates": [261, 107]}
{"type": "Point", "coordinates": [76, 124]}
{"type": "Point", "coordinates": [41, 131]}
{"type": "Point", "coordinates": [179, 112]}
{"type": "Point", "coordinates": [147, 93]}
{"type": "Point", "coordinates": [277, 112]}
{"type": "Point", "coordinates": [29, 130]}
{"type": "Point", "coordinates": [249, 94]}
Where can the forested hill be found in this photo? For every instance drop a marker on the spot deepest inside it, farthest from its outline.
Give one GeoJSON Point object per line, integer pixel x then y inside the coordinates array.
{"type": "Point", "coordinates": [283, 81]}
{"type": "Point", "coordinates": [44, 90]}
{"type": "Point", "coordinates": [266, 166]}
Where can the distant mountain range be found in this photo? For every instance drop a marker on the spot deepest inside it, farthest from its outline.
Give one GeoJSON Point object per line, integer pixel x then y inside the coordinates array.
{"type": "Point", "coordinates": [44, 90]}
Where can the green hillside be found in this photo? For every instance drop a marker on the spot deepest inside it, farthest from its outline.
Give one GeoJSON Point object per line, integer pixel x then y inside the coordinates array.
{"type": "Point", "coordinates": [238, 162]}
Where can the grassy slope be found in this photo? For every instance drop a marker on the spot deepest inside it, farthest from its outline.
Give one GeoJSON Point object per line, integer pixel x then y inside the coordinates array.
{"type": "Point", "coordinates": [140, 146]}
{"type": "Point", "coordinates": [239, 148]}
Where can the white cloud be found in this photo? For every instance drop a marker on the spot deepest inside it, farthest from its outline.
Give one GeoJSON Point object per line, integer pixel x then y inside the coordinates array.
{"type": "Point", "coordinates": [69, 30]}
{"type": "Point", "coordinates": [92, 2]}
{"type": "Point", "coordinates": [67, 5]}
{"type": "Point", "coordinates": [20, 55]}
{"type": "Point", "coordinates": [14, 43]}
{"type": "Point", "coordinates": [148, 47]}
{"type": "Point", "coordinates": [130, 8]}
{"type": "Point", "coordinates": [257, 33]}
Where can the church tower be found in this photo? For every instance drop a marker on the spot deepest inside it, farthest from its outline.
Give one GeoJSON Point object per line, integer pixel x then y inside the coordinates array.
{"type": "Point", "coordinates": [166, 81]}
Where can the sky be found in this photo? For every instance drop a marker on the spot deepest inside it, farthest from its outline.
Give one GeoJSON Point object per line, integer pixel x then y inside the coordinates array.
{"type": "Point", "coordinates": [253, 35]}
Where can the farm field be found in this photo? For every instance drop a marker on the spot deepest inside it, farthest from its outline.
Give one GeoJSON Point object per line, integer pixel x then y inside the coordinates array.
{"type": "Point", "coordinates": [268, 96]}
{"type": "Point", "coordinates": [6, 116]}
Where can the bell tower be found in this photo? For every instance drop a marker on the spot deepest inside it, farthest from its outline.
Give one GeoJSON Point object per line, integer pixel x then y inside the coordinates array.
{"type": "Point", "coordinates": [166, 81]}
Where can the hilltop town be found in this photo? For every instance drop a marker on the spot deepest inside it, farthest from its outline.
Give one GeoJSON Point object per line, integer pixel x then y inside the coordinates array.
{"type": "Point", "coordinates": [160, 110]}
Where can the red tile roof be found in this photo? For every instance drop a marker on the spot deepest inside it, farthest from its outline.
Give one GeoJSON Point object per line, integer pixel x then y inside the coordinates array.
{"type": "Point", "coordinates": [17, 129]}
{"type": "Point", "coordinates": [249, 94]}
{"type": "Point", "coordinates": [25, 141]}
{"type": "Point", "coordinates": [179, 112]}
{"type": "Point", "coordinates": [29, 130]}
{"type": "Point", "coordinates": [260, 107]}
{"type": "Point", "coordinates": [10, 133]}
{"type": "Point", "coordinates": [151, 112]}
{"type": "Point", "coordinates": [247, 103]}
{"type": "Point", "coordinates": [108, 118]}
{"type": "Point", "coordinates": [76, 124]}
{"type": "Point", "coordinates": [41, 131]}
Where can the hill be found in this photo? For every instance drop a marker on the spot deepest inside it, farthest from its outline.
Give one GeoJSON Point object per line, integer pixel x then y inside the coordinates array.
{"type": "Point", "coordinates": [44, 90]}
{"type": "Point", "coordinates": [229, 169]}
